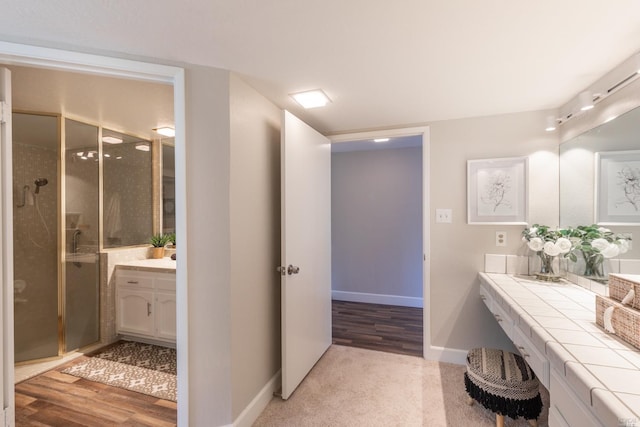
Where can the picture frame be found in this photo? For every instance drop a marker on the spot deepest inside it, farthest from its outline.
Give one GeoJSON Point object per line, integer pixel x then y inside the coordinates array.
{"type": "Point", "coordinates": [617, 187]}
{"type": "Point", "coordinates": [497, 191]}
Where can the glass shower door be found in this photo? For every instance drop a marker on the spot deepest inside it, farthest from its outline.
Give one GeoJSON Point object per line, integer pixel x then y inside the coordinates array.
{"type": "Point", "coordinates": [81, 266]}
{"type": "Point", "coordinates": [35, 218]}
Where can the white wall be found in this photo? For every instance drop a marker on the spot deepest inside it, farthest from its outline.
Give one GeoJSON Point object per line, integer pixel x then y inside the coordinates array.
{"type": "Point", "coordinates": [255, 243]}
{"type": "Point", "coordinates": [459, 320]}
{"type": "Point", "coordinates": [376, 224]}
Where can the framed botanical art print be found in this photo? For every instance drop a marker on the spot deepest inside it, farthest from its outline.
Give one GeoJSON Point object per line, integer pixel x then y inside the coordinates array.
{"type": "Point", "coordinates": [617, 188]}
{"type": "Point", "coordinates": [497, 191]}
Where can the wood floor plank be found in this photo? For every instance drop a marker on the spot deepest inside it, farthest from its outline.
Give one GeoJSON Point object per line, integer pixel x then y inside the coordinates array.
{"type": "Point", "coordinates": [55, 399]}
{"type": "Point", "coordinates": [378, 327]}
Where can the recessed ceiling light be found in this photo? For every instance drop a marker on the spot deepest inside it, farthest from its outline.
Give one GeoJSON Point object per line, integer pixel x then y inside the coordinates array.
{"type": "Point", "coordinates": [551, 124]}
{"type": "Point", "coordinates": [111, 140]}
{"type": "Point", "coordinates": [586, 100]}
{"type": "Point", "coordinates": [143, 147]}
{"type": "Point", "coordinates": [381, 140]}
{"type": "Point", "coordinates": [166, 131]}
{"type": "Point", "coordinates": [311, 98]}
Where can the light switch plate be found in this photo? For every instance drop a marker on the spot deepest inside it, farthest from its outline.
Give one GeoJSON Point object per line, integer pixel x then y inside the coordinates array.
{"type": "Point", "coordinates": [443, 215]}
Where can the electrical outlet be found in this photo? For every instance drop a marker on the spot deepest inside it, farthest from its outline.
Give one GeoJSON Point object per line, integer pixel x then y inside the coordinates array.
{"type": "Point", "coordinates": [501, 238]}
{"type": "Point", "coordinates": [443, 215]}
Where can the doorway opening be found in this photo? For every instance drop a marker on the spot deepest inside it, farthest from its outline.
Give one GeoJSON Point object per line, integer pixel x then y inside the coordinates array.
{"type": "Point", "coordinates": [380, 224]}
{"type": "Point", "coordinates": [85, 65]}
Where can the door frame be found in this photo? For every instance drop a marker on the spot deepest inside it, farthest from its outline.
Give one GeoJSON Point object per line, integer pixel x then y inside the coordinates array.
{"type": "Point", "coordinates": [428, 352]}
{"type": "Point", "coordinates": [33, 56]}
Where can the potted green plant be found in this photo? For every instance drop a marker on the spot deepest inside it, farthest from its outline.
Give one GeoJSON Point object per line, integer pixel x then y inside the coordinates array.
{"type": "Point", "coordinates": [170, 249]}
{"type": "Point", "coordinates": [158, 242]}
{"type": "Point", "coordinates": [171, 240]}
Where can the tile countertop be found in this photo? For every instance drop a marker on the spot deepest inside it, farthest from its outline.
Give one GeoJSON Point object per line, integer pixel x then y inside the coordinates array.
{"type": "Point", "coordinates": [166, 265]}
{"type": "Point", "coordinates": [603, 370]}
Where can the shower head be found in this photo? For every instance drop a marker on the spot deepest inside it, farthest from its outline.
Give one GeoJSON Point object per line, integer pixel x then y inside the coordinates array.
{"type": "Point", "coordinates": [40, 182]}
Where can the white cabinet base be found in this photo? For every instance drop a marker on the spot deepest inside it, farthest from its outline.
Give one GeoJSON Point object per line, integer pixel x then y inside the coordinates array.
{"type": "Point", "coordinates": [146, 305]}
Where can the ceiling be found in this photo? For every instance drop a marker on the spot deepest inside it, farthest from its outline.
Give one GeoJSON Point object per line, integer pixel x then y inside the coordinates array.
{"type": "Point", "coordinates": [383, 64]}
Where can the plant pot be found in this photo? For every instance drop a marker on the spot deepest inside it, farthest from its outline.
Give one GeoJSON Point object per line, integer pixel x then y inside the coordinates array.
{"type": "Point", "coordinates": [157, 253]}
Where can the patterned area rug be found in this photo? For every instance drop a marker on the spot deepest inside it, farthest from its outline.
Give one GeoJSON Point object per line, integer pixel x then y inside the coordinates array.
{"type": "Point", "coordinates": [145, 368]}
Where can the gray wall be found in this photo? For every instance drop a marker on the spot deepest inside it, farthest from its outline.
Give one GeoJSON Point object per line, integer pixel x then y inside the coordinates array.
{"type": "Point", "coordinates": [458, 318]}
{"type": "Point", "coordinates": [255, 243]}
{"type": "Point", "coordinates": [376, 222]}
{"type": "Point", "coordinates": [208, 254]}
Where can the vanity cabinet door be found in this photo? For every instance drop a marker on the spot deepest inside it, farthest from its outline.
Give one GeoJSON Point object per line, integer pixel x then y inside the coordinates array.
{"type": "Point", "coordinates": [166, 315]}
{"type": "Point", "coordinates": [134, 311]}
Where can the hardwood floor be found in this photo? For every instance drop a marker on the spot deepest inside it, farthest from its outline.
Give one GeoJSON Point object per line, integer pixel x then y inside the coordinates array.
{"type": "Point", "coordinates": [378, 327]}
{"type": "Point", "coordinates": [57, 399]}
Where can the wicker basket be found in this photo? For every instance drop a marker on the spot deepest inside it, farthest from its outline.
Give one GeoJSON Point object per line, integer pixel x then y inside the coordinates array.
{"type": "Point", "coordinates": [625, 321]}
{"type": "Point", "coordinates": [619, 286]}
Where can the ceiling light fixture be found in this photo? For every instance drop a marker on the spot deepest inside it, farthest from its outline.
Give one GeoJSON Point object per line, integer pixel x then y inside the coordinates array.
{"type": "Point", "coordinates": [166, 131]}
{"type": "Point", "coordinates": [111, 140]}
{"type": "Point", "coordinates": [381, 140]}
{"type": "Point", "coordinates": [551, 124]}
{"type": "Point", "coordinates": [143, 147]}
{"type": "Point", "coordinates": [586, 101]}
{"type": "Point", "coordinates": [311, 98]}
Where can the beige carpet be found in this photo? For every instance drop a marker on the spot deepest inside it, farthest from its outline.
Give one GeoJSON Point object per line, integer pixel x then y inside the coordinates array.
{"type": "Point", "coordinates": [356, 387]}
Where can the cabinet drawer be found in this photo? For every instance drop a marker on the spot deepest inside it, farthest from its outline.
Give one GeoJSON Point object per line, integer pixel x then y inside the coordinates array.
{"type": "Point", "coordinates": [534, 358]}
{"type": "Point", "coordinates": [485, 296]}
{"type": "Point", "coordinates": [504, 320]}
{"type": "Point", "coordinates": [134, 281]}
{"type": "Point", "coordinates": [569, 407]}
{"type": "Point", "coordinates": [166, 283]}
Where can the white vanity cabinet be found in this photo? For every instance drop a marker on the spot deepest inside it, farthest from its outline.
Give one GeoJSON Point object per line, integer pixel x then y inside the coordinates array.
{"type": "Point", "coordinates": [146, 304]}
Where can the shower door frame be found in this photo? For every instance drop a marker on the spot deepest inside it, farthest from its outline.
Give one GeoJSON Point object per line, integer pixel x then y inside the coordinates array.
{"type": "Point", "coordinates": [26, 55]}
{"type": "Point", "coordinates": [60, 240]}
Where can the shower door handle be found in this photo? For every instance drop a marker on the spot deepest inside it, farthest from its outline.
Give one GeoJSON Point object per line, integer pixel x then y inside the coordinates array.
{"type": "Point", "coordinates": [148, 309]}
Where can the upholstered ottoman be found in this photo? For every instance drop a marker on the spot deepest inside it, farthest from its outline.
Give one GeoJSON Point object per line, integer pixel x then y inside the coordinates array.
{"type": "Point", "coordinates": [504, 383]}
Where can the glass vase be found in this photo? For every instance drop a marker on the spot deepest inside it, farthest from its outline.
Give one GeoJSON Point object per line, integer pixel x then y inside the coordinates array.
{"type": "Point", "coordinates": [547, 272]}
{"type": "Point", "coordinates": [594, 267]}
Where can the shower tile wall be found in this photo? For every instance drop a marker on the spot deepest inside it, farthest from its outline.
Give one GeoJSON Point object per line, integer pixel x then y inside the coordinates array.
{"type": "Point", "coordinates": [128, 196]}
{"type": "Point", "coordinates": [82, 198]}
{"type": "Point", "coordinates": [35, 253]}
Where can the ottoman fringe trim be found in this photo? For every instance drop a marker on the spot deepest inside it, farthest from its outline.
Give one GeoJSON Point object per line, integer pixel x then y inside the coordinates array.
{"type": "Point", "coordinates": [529, 409]}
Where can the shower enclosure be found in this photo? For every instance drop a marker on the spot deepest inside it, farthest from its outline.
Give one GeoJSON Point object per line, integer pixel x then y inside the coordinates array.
{"type": "Point", "coordinates": [79, 190]}
{"type": "Point", "coordinates": [56, 269]}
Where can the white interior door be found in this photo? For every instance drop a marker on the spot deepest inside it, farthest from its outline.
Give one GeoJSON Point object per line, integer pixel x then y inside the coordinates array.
{"type": "Point", "coordinates": [6, 250]}
{"type": "Point", "coordinates": [306, 245]}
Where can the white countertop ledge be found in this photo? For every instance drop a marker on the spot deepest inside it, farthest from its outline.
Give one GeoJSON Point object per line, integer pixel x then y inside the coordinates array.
{"type": "Point", "coordinates": [162, 264]}
{"type": "Point", "coordinates": [560, 320]}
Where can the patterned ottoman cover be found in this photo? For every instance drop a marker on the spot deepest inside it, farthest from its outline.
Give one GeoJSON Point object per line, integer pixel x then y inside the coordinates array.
{"type": "Point", "coordinates": [503, 382]}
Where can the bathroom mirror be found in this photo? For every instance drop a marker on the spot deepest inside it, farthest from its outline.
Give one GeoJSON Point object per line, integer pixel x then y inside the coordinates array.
{"type": "Point", "coordinates": [578, 172]}
{"type": "Point", "coordinates": [127, 190]}
{"type": "Point", "coordinates": [168, 186]}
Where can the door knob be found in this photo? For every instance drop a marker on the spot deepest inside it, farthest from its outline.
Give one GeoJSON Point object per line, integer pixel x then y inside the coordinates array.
{"type": "Point", "coordinates": [292, 269]}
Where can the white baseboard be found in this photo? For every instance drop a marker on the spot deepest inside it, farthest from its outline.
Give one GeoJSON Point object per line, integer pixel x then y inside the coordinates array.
{"type": "Point", "coordinates": [377, 298]}
{"type": "Point", "coordinates": [253, 410]}
{"type": "Point", "coordinates": [448, 355]}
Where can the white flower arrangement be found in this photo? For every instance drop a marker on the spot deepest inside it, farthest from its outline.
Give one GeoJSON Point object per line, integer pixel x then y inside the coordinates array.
{"type": "Point", "coordinates": [548, 244]}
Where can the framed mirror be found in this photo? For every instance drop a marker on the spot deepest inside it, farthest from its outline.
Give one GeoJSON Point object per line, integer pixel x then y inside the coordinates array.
{"type": "Point", "coordinates": [591, 180]}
